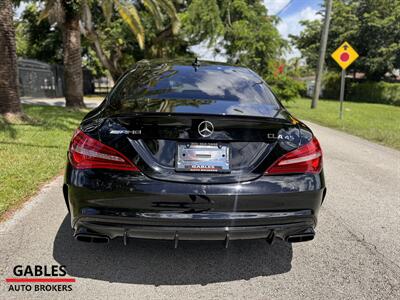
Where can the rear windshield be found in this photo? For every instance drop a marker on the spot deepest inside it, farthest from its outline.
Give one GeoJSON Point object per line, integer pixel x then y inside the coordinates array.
{"type": "Point", "coordinates": [184, 89]}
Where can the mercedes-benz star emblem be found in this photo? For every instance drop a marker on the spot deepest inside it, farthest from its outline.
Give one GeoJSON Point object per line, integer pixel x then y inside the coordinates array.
{"type": "Point", "coordinates": [206, 128]}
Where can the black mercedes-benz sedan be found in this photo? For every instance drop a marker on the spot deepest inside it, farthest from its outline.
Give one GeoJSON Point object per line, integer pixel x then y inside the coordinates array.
{"type": "Point", "coordinates": [184, 150]}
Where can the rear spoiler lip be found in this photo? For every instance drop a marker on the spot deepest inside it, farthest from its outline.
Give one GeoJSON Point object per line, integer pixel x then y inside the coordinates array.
{"type": "Point", "coordinates": [226, 117]}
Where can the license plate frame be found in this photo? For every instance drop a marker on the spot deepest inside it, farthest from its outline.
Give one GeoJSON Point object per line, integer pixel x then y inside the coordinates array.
{"type": "Point", "coordinates": [203, 157]}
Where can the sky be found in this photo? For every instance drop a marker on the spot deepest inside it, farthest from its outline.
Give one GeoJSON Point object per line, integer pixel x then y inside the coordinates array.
{"type": "Point", "coordinates": [290, 12]}
{"type": "Point", "coordinates": [20, 9]}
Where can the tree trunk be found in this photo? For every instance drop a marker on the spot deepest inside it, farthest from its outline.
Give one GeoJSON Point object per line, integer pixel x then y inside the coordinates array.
{"type": "Point", "coordinates": [73, 75]}
{"type": "Point", "coordinates": [9, 96]}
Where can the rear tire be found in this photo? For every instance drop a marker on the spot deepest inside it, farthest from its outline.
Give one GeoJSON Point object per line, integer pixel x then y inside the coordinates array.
{"type": "Point", "coordinates": [65, 193]}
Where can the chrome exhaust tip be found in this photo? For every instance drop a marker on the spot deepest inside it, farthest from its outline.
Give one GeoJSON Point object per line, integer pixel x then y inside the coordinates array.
{"type": "Point", "coordinates": [83, 235]}
{"type": "Point", "coordinates": [308, 235]}
{"type": "Point", "coordinates": [91, 238]}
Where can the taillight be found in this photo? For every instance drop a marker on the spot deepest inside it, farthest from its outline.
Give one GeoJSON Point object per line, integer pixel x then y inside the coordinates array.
{"type": "Point", "coordinates": [305, 159]}
{"type": "Point", "coordinates": [88, 153]}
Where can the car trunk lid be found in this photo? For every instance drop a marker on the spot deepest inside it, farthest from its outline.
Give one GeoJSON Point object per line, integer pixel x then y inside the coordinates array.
{"type": "Point", "coordinates": [153, 142]}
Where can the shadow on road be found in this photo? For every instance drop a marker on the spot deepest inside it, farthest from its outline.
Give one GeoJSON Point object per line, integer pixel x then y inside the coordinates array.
{"type": "Point", "coordinates": [158, 263]}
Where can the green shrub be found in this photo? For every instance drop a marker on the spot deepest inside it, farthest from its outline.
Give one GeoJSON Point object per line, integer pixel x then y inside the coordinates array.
{"type": "Point", "coordinates": [372, 92]}
{"type": "Point", "coordinates": [302, 88]}
{"type": "Point", "coordinates": [331, 85]}
{"type": "Point", "coordinates": [285, 87]}
{"type": "Point", "coordinates": [375, 92]}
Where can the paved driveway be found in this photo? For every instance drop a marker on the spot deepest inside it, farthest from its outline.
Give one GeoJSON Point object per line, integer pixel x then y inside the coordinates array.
{"type": "Point", "coordinates": [355, 254]}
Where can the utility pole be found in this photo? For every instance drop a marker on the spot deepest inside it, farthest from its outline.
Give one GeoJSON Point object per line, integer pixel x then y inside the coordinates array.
{"type": "Point", "coordinates": [322, 50]}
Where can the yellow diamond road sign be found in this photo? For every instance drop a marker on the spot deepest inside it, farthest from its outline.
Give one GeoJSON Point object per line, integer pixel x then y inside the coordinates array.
{"type": "Point", "coordinates": [345, 55]}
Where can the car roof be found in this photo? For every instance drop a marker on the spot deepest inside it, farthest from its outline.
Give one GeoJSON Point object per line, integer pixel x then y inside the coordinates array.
{"type": "Point", "coordinates": [187, 62]}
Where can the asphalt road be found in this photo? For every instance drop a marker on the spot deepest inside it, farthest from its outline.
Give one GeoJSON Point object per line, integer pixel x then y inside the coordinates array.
{"type": "Point", "coordinates": [355, 255]}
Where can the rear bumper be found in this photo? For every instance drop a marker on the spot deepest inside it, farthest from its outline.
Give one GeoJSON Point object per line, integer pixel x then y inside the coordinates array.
{"type": "Point", "coordinates": [301, 222]}
{"type": "Point", "coordinates": [119, 205]}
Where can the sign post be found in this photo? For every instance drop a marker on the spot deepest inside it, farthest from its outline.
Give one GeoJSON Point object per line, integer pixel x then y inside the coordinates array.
{"type": "Point", "coordinates": [345, 55]}
{"type": "Point", "coordinates": [341, 98]}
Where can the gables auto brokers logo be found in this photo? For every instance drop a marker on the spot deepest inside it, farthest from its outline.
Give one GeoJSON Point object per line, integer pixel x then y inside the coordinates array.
{"type": "Point", "coordinates": [39, 278]}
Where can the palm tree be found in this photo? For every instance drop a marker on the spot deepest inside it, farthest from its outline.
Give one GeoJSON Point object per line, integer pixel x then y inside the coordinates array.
{"type": "Point", "coordinates": [73, 75]}
{"type": "Point", "coordinates": [9, 96]}
{"type": "Point", "coordinates": [127, 10]}
{"type": "Point", "coordinates": [67, 14]}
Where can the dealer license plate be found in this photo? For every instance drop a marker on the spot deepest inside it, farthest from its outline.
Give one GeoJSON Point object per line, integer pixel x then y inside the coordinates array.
{"type": "Point", "coordinates": [194, 157]}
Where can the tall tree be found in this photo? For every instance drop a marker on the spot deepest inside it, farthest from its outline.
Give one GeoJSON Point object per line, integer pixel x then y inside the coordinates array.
{"type": "Point", "coordinates": [76, 15]}
{"type": "Point", "coordinates": [164, 22]}
{"type": "Point", "coordinates": [36, 38]}
{"type": "Point", "coordinates": [9, 96]}
{"type": "Point", "coordinates": [40, 39]}
{"type": "Point", "coordinates": [372, 27]}
{"type": "Point", "coordinates": [73, 75]}
{"type": "Point", "coordinates": [246, 34]}
{"type": "Point", "coordinates": [67, 15]}
{"type": "Point", "coordinates": [240, 28]}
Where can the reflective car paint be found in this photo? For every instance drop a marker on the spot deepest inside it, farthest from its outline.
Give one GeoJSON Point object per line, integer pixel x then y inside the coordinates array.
{"type": "Point", "coordinates": [114, 203]}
